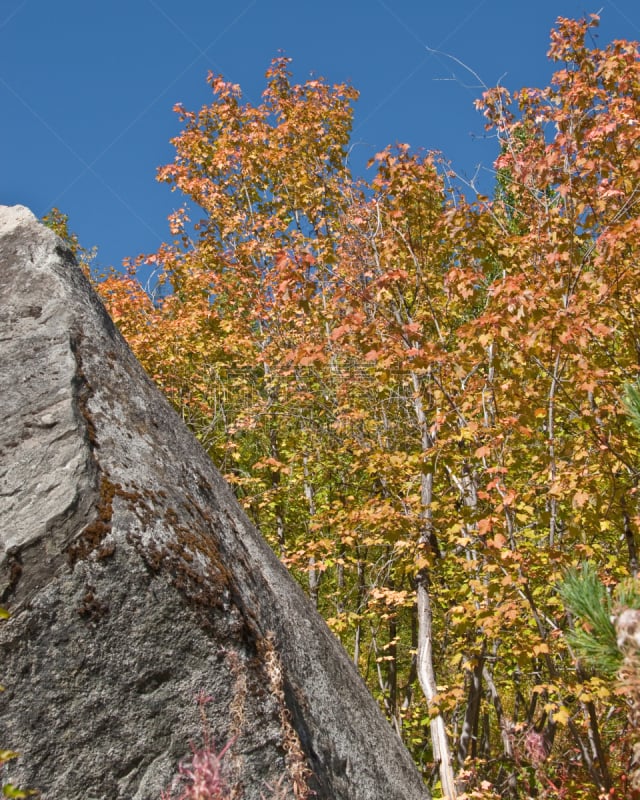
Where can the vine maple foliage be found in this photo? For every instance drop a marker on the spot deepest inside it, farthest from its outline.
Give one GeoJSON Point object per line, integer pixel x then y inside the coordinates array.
{"type": "Point", "coordinates": [418, 397]}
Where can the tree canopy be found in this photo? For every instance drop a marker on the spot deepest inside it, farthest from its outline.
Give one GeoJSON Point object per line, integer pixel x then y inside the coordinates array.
{"type": "Point", "coordinates": [418, 396]}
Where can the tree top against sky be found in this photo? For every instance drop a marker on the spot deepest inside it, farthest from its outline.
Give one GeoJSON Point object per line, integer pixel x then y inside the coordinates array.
{"type": "Point", "coordinates": [88, 94]}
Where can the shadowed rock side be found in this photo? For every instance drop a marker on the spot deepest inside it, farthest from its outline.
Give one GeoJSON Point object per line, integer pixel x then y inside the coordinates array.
{"type": "Point", "coordinates": [135, 581]}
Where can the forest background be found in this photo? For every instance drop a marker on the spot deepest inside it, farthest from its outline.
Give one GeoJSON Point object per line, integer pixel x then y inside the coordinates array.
{"type": "Point", "coordinates": [416, 391]}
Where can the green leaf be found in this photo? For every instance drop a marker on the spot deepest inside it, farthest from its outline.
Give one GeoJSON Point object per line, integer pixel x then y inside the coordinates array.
{"type": "Point", "coordinates": [12, 791]}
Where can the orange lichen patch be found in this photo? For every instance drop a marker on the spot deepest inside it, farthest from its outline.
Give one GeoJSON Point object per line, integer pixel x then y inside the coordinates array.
{"type": "Point", "coordinates": [92, 608]}
{"type": "Point", "coordinates": [93, 534]}
{"type": "Point", "coordinates": [13, 567]}
{"type": "Point", "coordinates": [186, 552]}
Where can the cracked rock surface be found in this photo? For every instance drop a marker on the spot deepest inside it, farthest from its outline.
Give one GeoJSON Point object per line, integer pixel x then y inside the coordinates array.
{"type": "Point", "coordinates": [135, 581]}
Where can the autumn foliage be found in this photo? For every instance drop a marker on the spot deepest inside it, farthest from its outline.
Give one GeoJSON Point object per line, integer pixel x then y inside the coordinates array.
{"type": "Point", "coordinates": [417, 396]}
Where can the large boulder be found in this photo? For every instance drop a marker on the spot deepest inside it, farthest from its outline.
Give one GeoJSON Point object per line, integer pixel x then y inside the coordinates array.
{"type": "Point", "coordinates": [135, 582]}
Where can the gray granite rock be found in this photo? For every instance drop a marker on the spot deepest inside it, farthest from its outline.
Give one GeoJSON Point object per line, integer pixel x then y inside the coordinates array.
{"type": "Point", "coordinates": [135, 581]}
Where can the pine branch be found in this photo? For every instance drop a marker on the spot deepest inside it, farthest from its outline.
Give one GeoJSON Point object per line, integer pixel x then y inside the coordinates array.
{"type": "Point", "coordinates": [632, 404]}
{"type": "Point", "coordinates": [595, 641]}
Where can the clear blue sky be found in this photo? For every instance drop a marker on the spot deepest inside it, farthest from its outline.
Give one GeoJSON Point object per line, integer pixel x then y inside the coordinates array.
{"type": "Point", "coordinates": [87, 87]}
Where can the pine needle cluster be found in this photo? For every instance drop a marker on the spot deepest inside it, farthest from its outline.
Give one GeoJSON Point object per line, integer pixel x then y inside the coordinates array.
{"type": "Point", "coordinates": [594, 639]}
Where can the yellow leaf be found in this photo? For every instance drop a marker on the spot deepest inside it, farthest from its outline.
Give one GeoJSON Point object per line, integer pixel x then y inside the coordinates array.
{"type": "Point", "coordinates": [561, 716]}
{"type": "Point", "coordinates": [580, 498]}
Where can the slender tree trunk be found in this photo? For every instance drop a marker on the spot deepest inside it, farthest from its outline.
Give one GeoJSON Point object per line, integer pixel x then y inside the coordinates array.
{"type": "Point", "coordinates": [275, 486]}
{"type": "Point", "coordinates": [413, 670]}
{"type": "Point", "coordinates": [426, 673]}
{"type": "Point", "coordinates": [468, 737]}
{"type": "Point", "coordinates": [313, 573]}
{"type": "Point", "coordinates": [510, 783]}
{"type": "Point", "coordinates": [360, 601]}
{"type": "Point", "coordinates": [426, 676]}
{"type": "Point", "coordinates": [392, 671]}
{"type": "Point", "coordinates": [553, 502]}
{"type": "Point", "coordinates": [632, 549]}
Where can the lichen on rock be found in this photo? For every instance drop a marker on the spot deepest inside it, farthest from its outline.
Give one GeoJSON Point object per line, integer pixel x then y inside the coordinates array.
{"type": "Point", "coordinates": [135, 581]}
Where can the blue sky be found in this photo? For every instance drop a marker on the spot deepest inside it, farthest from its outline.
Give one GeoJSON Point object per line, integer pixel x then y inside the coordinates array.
{"type": "Point", "coordinates": [87, 88]}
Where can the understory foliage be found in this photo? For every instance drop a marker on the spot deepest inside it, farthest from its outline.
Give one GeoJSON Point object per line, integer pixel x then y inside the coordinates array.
{"type": "Point", "coordinates": [418, 397]}
{"type": "Point", "coordinates": [607, 626]}
{"type": "Point", "coordinates": [205, 775]}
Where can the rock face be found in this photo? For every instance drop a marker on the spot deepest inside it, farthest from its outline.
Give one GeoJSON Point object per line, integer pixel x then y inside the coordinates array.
{"type": "Point", "coordinates": [135, 581]}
